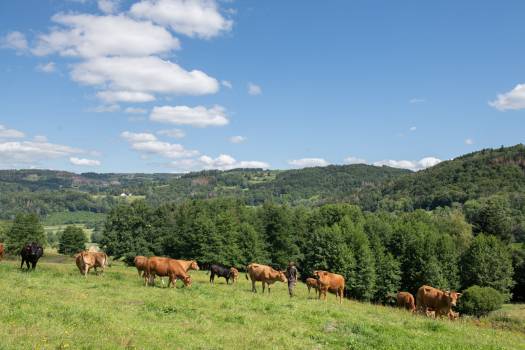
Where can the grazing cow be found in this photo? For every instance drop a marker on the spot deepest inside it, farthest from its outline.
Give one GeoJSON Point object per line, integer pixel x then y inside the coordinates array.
{"type": "Point", "coordinates": [101, 261]}
{"type": "Point", "coordinates": [141, 263]}
{"type": "Point", "coordinates": [441, 302]}
{"type": "Point", "coordinates": [1, 251]}
{"type": "Point", "coordinates": [221, 271]}
{"type": "Point", "coordinates": [312, 283]}
{"type": "Point", "coordinates": [264, 274]}
{"type": "Point", "coordinates": [406, 300]}
{"type": "Point", "coordinates": [330, 282]}
{"type": "Point", "coordinates": [85, 261]}
{"type": "Point", "coordinates": [187, 265]}
{"type": "Point", "coordinates": [171, 268]}
{"type": "Point", "coordinates": [235, 274]}
{"type": "Point", "coordinates": [30, 254]}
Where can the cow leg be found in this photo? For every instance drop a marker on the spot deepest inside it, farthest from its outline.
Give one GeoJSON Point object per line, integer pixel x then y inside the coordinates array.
{"type": "Point", "coordinates": [27, 264]}
{"type": "Point", "coordinates": [253, 287]}
{"type": "Point", "coordinates": [263, 286]}
{"type": "Point", "coordinates": [22, 264]}
{"type": "Point", "coordinates": [212, 277]}
{"type": "Point", "coordinates": [33, 265]}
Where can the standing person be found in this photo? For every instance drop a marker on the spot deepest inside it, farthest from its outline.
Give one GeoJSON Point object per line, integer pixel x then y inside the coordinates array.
{"type": "Point", "coordinates": [291, 274]}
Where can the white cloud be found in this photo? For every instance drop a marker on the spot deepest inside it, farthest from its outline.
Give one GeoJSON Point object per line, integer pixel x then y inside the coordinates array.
{"type": "Point", "coordinates": [514, 99]}
{"type": "Point", "coordinates": [105, 109]}
{"type": "Point", "coordinates": [46, 67]}
{"type": "Point", "coordinates": [148, 143]}
{"type": "Point", "coordinates": [409, 164]}
{"type": "Point", "coordinates": [6, 133]}
{"type": "Point", "coordinates": [354, 160]}
{"type": "Point", "coordinates": [84, 35]}
{"type": "Point", "coordinates": [175, 133]}
{"type": "Point", "coordinates": [413, 128]}
{"type": "Point", "coordinates": [84, 161]}
{"type": "Point", "coordinates": [143, 74]}
{"type": "Point", "coordinates": [254, 89]}
{"type": "Point", "coordinates": [108, 6]}
{"type": "Point", "coordinates": [308, 162]}
{"type": "Point", "coordinates": [469, 141]}
{"type": "Point", "coordinates": [40, 138]}
{"type": "Point", "coordinates": [134, 110]}
{"type": "Point", "coordinates": [14, 40]}
{"type": "Point", "coordinates": [417, 100]}
{"type": "Point", "coordinates": [237, 139]}
{"type": "Point", "coordinates": [227, 84]}
{"type": "Point", "coordinates": [200, 18]}
{"type": "Point", "coordinates": [199, 116]}
{"type": "Point", "coordinates": [138, 137]}
{"type": "Point", "coordinates": [125, 96]}
{"type": "Point", "coordinates": [226, 162]}
{"type": "Point", "coordinates": [30, 152]}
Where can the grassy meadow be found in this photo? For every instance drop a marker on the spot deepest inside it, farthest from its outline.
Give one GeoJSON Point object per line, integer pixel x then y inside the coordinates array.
{"type": "Point", "coordinates": [55, 308]}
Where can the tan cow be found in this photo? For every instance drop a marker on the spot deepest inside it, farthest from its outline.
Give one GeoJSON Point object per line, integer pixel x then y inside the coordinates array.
{"type": "Point", "coordinates": [312, 283]}
{"type": "Point", "coordinates": [1, 251]}
{"type": "Point", "coordinates": [171, 268]}
{"type": "Point", "coordinates": [441, 302]}
{"type": "Point", "coordinates": [235, 274]}
{"type": "Point", "coordinates": [141, 263]}
{"type": "Point", "coordinates": [406, 300]}
{"type": "Point", "coordinates": [265, 274]}
{"type": "Point", "coordinates": [101, 261]}
{"type": "Point", "coordinates": [330, 282]}
{"type": "Point", "coordinates": [85, 261]}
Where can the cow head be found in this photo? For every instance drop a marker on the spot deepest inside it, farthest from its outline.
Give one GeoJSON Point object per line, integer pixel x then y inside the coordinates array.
{"type": "Point", "coordinates": [452, 297]}
{"type": "Point", "coordinates": [282, 277]}
{"type": "Point", "coordinates": [187, 281]}
{"type": "Point", "coordinates": [234, 273]}
{"type": "Point", "coordinates": [194, 265]}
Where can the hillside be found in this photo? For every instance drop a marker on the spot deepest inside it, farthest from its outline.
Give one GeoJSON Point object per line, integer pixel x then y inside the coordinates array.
{"type": "Point", "coordinates": [472, 176]}
{"type": "Point", "coordinates": [54, 307]}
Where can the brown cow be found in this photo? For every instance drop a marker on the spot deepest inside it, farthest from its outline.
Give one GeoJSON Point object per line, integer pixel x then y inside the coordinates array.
{"type": "Point", "coordinates": [235, 274]}
{"type": "Point", "coordinates": [264, 274]}
{"type": "Point", "coordinates": [85, 261]}
{"type": "Point", "coordinates": [1, 251]}
{"type": "Point", "coordinates": [441, 302]}
{"type": "Point", "coordinates": [406, 300]}
{"type": "Point", "coordinates": [171, 268]}
{"type": "Point", "coordinates": [330, 282]}
{"type": "Point", "coordinates": [312, 283]}
{"type": "Point", "coordinates": [141, 263]}
{"type": "Point", "coordinates": [101, 260]}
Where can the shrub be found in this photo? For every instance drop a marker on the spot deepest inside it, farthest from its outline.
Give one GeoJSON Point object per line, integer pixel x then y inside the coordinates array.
{"type": "Point", "coordinates": [479, 301]}
{"type": "Point", "coordinates": [72, 240]}
{"type": "Point", "coordinates": [26, 229]}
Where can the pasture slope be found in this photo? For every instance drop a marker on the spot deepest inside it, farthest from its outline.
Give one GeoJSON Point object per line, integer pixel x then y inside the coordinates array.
{"type": "Point", "coordinates": [55, 308]}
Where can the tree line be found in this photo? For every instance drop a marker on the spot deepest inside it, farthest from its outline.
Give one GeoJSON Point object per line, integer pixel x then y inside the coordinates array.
{"type": "Point", "coordinates": [378, 253]}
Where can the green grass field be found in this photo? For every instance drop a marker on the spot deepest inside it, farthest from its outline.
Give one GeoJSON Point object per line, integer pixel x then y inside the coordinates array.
{"type": "Point", "coordinates": [55, 308]}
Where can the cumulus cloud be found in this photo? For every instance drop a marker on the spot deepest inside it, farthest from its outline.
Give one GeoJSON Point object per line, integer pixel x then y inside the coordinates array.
{"type": "Point", "coordinates": [143, 74]}
{"type": "Point", "coordinates": [237, 139]}
{"type": "Point", "coordinates": [46, 67]}
{"type": "Point", "coordinates": [6, 133]}
{"type": "Point", "coordinates": [308, 162]}
{"type": "Point", "coordinates": [14, 40]}
{"type": "Point", "coordinates": [194, 18]}
{"type": "Point", "coordinates": [409, 164]}
{"type": "Point", "coordinates": [105, 109]}
{"type": "Point", "coordinates": [417, 100]}
{"type": "Point", "coordinates": [413, 128]}
{"type": "Point", "coordinates": [469, 141]}
{"type": "Point", "coordinates": [227, 84]}
{"type": "Point", "coordinates": [514, 99]}
{"type": "Point", "coordinates": [226, 162]}
{"type": "Point", "coordinates": [84, 161]}
{"type": "Point", "coordinates": [254, 89]}
{"type": "Point", "coordinates": [354, 160]}
{"type": "Point", "coordinates": [84, 35]}
{"type": "Point", "coordinates": [135, 110]}
{"type": "Point", "coordinates": [138, 137]}
{"type": "Point", "coordinates": [108, 6]}
{"type": "Point", "coordinates": [125, 96]}
{"type": "Point", "coordinates": [199, 116]}
{"type": "Point", "coordinates": [30, 152]}
{"type": "Point", "coordinates": [175, 133]}
{"type": "Point", "coordinates": [148, 143]}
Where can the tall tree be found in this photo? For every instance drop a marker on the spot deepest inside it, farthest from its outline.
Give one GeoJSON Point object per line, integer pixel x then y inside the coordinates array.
{"type": "Point", "coordinates": [25, 229]}
{"type": "Point", "coordinates": [72, 240]}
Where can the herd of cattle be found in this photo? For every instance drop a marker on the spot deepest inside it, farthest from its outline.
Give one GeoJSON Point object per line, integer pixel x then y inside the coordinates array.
{"type": "Point", "coordinates": [431, 301]}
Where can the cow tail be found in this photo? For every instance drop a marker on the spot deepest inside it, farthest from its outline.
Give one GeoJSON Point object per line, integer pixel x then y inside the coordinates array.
{"type": "Point", "coordinates": [246, 273]}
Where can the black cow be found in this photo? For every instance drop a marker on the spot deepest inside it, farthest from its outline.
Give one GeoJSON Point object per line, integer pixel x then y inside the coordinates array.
{"type": "Point", "coordinates": [30, 254]}
{"type": "Point", "coordinates": [220, 271]}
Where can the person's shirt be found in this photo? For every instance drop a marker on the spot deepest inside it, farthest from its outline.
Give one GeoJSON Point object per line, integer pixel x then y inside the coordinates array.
{"type": "Point", "coordinates": [291, 273]}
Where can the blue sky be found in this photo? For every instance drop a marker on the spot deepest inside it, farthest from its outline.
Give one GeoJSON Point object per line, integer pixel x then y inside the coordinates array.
{"type": "Point", "coordinates": [179, 85]}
